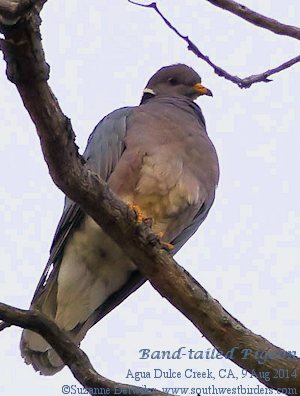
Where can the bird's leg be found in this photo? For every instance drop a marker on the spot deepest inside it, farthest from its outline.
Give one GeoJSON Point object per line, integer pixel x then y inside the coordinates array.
{"type": "Point", "coordinates": [140, 218]}
{"type": "Point", "coordinates": [148, 221]}
{"type": "Point", "coordinates": [165, 245]}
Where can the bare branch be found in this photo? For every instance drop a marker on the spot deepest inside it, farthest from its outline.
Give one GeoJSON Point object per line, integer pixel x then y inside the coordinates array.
{"type": "Point", "coordinates": [4, 325]}
{"type": "Point", "coordinates": [257, 19]}
{"type": "Point", "coordinates": [241, 82]}
{"type": "Point", "coordinates": [26, 67]}
{"type": "Point", "coordinates": [12, 10]}
{"type": "Point", "coordinates": [71, 354]}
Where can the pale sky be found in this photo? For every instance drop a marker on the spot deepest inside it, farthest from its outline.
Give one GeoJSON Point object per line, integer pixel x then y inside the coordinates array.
{"type": "Point", "coordinates": [101, 54]}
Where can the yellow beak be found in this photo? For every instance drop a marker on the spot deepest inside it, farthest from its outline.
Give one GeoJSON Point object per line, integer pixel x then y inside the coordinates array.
{"type": "Point", "coordinates": [202, 90]}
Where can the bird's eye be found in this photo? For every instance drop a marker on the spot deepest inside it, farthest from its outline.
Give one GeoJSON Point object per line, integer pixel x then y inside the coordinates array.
{"type": "Point", "coordinates": [173, 81]}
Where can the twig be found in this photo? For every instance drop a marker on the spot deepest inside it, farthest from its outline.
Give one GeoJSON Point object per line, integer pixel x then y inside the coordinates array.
{"type": "Point", "coordinates": [257, 19]}
{"type": "Point", "coordinates": [71, 354]}
{"type": "Point", "coordinates": [241, 82]}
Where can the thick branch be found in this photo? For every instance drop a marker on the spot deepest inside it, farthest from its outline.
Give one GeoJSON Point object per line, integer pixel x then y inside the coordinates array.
{"type": "Point", "coordinates": [257, 19]}
{"type": "Point", "coordinates": [70, 354]}
{"type": "Point", "coordinates": [4, 325]}
{"type": "Point", "coordinates": [241, 82]}
{"type": "Point", "coordinates": [27, 68]}
{"type": "Point", "coordinates": [12, 10]}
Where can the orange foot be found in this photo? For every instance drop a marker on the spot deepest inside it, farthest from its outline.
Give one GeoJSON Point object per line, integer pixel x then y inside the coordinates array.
{"type": "Point", "coordinates": [140, 218]}
{"type": "Point", "coordinates": [165, 245]}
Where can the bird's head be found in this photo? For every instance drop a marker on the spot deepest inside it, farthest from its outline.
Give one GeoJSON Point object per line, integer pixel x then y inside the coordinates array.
{"type": "Point", "coordinates": [176, 79]}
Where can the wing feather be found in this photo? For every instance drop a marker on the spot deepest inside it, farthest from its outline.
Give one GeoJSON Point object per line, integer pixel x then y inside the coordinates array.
{"type": "Point", "coordinates": [104, 149]}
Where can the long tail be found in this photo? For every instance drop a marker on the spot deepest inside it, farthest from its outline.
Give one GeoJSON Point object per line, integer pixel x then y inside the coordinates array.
{"type": "Point", "coordinates": [37, 352]}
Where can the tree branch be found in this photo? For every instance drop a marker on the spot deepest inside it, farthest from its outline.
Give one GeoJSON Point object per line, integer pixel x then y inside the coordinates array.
{"type": "Point", "coordinates": [77, 361]}
{"type": "Point", "coordinates": [257, 19]}
{"type": "Point", "coordinates": [12, 10]}
{"type": "Point", "coordinates": [4, 325]}
{"type": "Point", "coordinates": [241, 82]}
{"type": "Point", "coordinates": [27, 69]}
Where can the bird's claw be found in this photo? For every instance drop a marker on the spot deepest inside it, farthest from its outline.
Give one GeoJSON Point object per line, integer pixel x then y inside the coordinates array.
{"type": "Point", "coordinates": [167, 246]}
{"type": "Point", "coordinates": [140, 218]}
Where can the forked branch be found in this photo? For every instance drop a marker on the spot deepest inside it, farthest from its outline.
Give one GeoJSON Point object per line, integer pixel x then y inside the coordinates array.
{"type": "Point", "coordinates": [245, 82]}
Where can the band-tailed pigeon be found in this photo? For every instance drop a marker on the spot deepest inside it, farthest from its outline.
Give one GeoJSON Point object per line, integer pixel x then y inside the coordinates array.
{"type": "Point", "coordinates": [157, 156]}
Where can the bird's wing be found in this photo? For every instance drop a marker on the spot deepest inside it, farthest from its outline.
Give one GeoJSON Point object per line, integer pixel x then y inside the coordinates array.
{"type": "Point", "coordinates": [137, 279]}
{"type": "Point", "coordinates": [104, 149]}
{"type": "Point", "coordinates": [190, 230]}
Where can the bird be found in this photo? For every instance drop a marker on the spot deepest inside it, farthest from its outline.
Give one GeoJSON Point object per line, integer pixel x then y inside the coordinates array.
{"type": "Point", "coordinates": [158, 158]}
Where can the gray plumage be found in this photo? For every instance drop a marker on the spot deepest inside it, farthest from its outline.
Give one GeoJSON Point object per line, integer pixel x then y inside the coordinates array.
{"type": "Point", "coordinates": [157, 156]}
